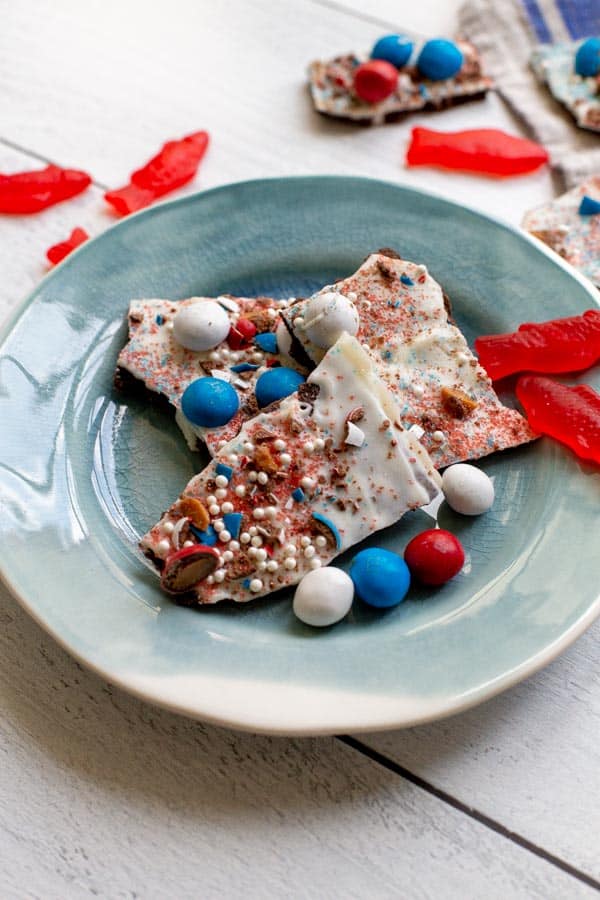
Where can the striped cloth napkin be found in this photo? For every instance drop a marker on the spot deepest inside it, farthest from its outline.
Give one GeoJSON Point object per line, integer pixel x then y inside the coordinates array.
{"type": "Point", "coordinates": [506, 31]}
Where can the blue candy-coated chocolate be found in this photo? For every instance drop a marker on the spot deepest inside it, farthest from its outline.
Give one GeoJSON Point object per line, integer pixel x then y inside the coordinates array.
{"type": "Point", "coordinates": [393, 48]}
{"type": "Point", "coordinates": [329, 524]}
{"type": "Point", "coordinates": [267, 341]}
{"type": "Point", "coordinates": [406, 280]}
{"type": "Point", "coordinates": [298, 495]}
{"type": "Point", "coordinates": [209, 402]}
{"type": "Point", "coordinates": [381, 578]}
{"type": "Point", "coordinates": [589, 206]}
{"type": "Point", "coordinates": [233, 523]}
{"type": "Point", "coordinates": [439, 59]}
{"type": "Point", "coordinates": [587, 58]}
{"type": "Point", "coordinates": [244, 367]}
{"type": "Point", "coordinates": [208, 537]}
{"type": "Point", "coordinates": [222, 469]}
{"type": "Point", "coordinates": [274, 384]}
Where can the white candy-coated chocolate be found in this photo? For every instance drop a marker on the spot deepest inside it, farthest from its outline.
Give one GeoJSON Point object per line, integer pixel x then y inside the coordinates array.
{"type": "Point", "coordinates": [467, 489]}
{"type": "Point", "coordinates": [327, 316]}
{"type": "Point", "coordinates": [201, 326]}
{"type": "Point", "coordinates": [323, 597]}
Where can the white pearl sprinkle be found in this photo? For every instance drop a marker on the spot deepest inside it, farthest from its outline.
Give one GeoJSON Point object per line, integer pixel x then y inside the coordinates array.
{"type": "Point", "coordinates": [224, 536]}
{"type": "Point", "coordinates": [304, 541]}
{"type": "Point", "coordinates": [309, 551]}
{"type": "Point", "coordinates": [261, 566]}
{"type": "Point", "coordinates": [417, 389]}
{"type": "Point", "coordinates": [219, 575]}
{"type": "Point", "coordinates": [220, 493]}
{"type": "Point", "coordinates": [261, 554]}
{"type": "Point", "coordinates": [228, 555]}
{"type": "Point", "coordinates": [244, 537]}
{"type": "Point", "coordinates": [253, 530]}
{"type": "Point", "coordinates": [227, 507]}
{"type": "Point", "coordinates": [257, 541]}
{"type": "Point", "coordinates": [234, 355]}
{"type": "Point", "coordinates": [319, 444]}
{"type": "Point", "coordinates": [188, 543]}
{"type": "Point", "coordinates": [272, 566]}
{"type": "Point", "coordinates": [270, 512]}
{"type": "Point", "coordinates": [252, 551]}
{"type": "Point", "coordinates": [233, 458]}
{"type": "Point", "coordinates": [290, 550]}
{"type": "Point", "coordinates": [290, 562]}
{"type": "Point", "coordinates": [438, 436]}
{"type": "Point", "coordinates": [252, 476]}
{"type": "Point", "coordinates": [307, 483]}
{"type": "Point", "coordinates": [221, 481]}
{"type": "Point", "coordinates": [315, 563]}
{"type": "Point", "coordinates": [258, 513]}
{"type": "Point", "coordinates": [167, 527]}
{"type": "Point", "coordinates": [271, 312]}
{"type": "Point", "coordinates": [257, 357]}
{"type": "Point", "coordinates": [240, 490]}
{"type": "Point", "coordinates": [221, 444]}
{"type": "Point", "coordinates": [164, 546]}
{"type": "Point", "coordinates": [219, 525]}
{"type": "Point", "coordinates": [365, 346]}
{"type": "Point", "coordinates": [256, 585]}
{"type": "Point", "coordinates": [285, 459]}
{"type": "Point", "coordinates": [214, 509]}
{"type": "Point", "coordinates": [211, 499]}
{"type": "Point", "coordinates": [210, 579]}
{"type": "Point", "coordinates": [225, 352]}
{"type": "Point", "coordinates": [214, 355]}
{"type": "Point", "coordinates": [234, 545]}
{"type": "Point", "coordinates": [262, 477]}
{"type": "Point", "coordinates": [248, 446]}
{"type": "Point", "coordinates": [169, 325]}
{"type": "Point", "coordinates": [279, 444]}
{"type": "Point", "coordinates": [309, 447]}
{"type": "Point", "coordinates": [321, 541]}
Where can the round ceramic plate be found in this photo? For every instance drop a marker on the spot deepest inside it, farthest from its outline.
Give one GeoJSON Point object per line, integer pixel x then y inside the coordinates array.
{"type": "Point", "coordinates": [84, 472]}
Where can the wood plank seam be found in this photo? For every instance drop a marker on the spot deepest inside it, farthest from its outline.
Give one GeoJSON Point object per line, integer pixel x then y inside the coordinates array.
{"type": "Point", "coordinates": [470, 811]}
{"type": "Point", "coordinates": [50, 162]}
{"type": "Point", "coordinates": [366, 17]}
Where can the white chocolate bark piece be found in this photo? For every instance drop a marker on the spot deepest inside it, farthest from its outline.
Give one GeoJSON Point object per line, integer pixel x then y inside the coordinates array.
{"type": "Point", "coordinates": [575, 237]}
{"type": "Point", "coordinates": [331, 88]}
{"type": "Point", "coordinates": [153, 357]}
{"type": "Point", "coordinates": [423, 358]}
{"type": "Point", "coordinates": [290, 493]}
{"type": "Point", "coordinates": [554, 65]}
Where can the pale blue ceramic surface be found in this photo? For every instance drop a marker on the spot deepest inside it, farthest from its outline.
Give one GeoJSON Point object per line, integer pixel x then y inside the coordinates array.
{"type": "Point", "coordinates": [84, 472]}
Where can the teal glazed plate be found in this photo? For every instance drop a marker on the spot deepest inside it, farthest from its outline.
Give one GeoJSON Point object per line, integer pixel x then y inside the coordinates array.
{"type": "Point", "coordinates": [84, 472]}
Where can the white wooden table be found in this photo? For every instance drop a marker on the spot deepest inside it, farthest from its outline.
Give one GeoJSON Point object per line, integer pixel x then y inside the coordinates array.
{"type": "Point", "coordinates": [102, 794]}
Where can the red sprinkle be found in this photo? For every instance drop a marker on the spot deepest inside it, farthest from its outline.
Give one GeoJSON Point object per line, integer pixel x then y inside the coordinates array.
{"type": "Point", "coordinates": [29, 192]}
{"type": "Point", "coordinates": [375, 80]}
{"type": "Point", "coordinates": [484, 150]}
{"type": "Point", "coordinates": [559, 345]}
{"type": "Point", "coordinates": [434, 556]}
{"type": "Point", "coordinates": [571, 415]}
{"type": "Point", "coordinates": [176, 163]}
{"type": "Point", "coordinates": [57, 252]}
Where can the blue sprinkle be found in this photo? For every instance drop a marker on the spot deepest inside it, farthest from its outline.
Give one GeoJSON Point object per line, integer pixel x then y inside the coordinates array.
{"type": "Point", "coordinates": [329, 524]}
{"type": "Point", "coordinates": [406, 280]}
{"type": "Point", "coordinates": [423, 91]}
{"type": "Point", "coordinates": [246, 583]}
{"type": "Point", "coordinates": [396, 304]}
{"type": "Point", "coordinates": [208, 537]}
{"type": "Point", "coordinates": [267, 341]}
{"type": "Point", "coordinates": [160, 320]}
{"type": "Point", "coordinates": [244, 367]}
{"type": "Point", "coordinates": [233, 523]}
{"type": "Point", "coordinates": [588, 206]}
{"type": "Point", "coordinates": [298, 495]}
{"type": "Point", "coordinates": [387, 354]}
{"type": "Point", "coordinates": [222, 469]}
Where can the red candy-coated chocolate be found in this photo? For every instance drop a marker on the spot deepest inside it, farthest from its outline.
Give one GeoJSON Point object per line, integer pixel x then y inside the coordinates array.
{"type": "Point", "coordinates": [29, 192]}
{"type": "Point", "coordinates": [483, 150]}
{"type": "Point", "coordinates": [571, 415]}
{"type": "Point", "coordinates": [241, 334]}
{"type": "Point", "coordinates": [375, 80]}
{"type": "Point", "coordinates": [186, 567]}
{"type": "Point", "coordinates": [175, 165]}
{"type": "Point", "coordinates": [57, 252]}
{"type": "Point", "coordinates": [434, 556]}
{"type": "Point", "coordinates": [559, 345]}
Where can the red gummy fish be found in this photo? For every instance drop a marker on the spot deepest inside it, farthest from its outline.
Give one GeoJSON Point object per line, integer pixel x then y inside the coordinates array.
{"type": "Point", "coordinates": [482, 150]}
{"type": "Point", "coordinates": [57, 252]}
{"type": "Point", "coordinates": [559, 345]}
{"type": "Point", "coordinates": [571, 415]}
{"type": "Point", "coordinates": [173, 166]}
{"type": "Point", "coordinates": [32, 191]}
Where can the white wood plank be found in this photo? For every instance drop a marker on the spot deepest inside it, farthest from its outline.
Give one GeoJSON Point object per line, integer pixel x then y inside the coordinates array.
{"type": "Point", "coordinates": [104, 794]}
{"type": "Point", "coordinates": [430, 18]}
{"type": "Point", "coordinates": [529, 758]}
{"type": "Point", "coordinates": [103, 84]}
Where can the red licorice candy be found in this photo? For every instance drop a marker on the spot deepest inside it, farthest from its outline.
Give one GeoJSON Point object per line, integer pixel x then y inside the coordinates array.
{"type": "Point", "coordinates": [175, 165]}
{"type": "Point", "coordinates": [57, 252]}
{"type": "Point", "coordinates": [29, 192]}
{"type": "Point", "coordinates": [482, 150]}
{"type": "Point", "coordinates": [571, 415]}
{"type": "Point", "coordinates": [559, 345]}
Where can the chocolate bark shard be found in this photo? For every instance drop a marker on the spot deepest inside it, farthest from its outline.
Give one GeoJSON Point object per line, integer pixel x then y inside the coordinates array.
{"type": "Point", "coordinates": [423, 358]}
{"type": "Point", "coordinates": [293, 524]}
{"type": "Point", "coordinates": [331, 88]}
{"type": "Point", "coordinates": [554, 65]}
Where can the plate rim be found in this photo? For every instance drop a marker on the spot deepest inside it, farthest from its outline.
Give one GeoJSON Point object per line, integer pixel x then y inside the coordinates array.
{"type": "Point", "coordinates": [450, 706]}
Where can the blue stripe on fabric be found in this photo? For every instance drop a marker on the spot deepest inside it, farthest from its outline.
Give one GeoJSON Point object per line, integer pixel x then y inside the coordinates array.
{"type": "Point", "coordinates": [537, 20]}
{"type": "Point", "coordinates": [582, 17]}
